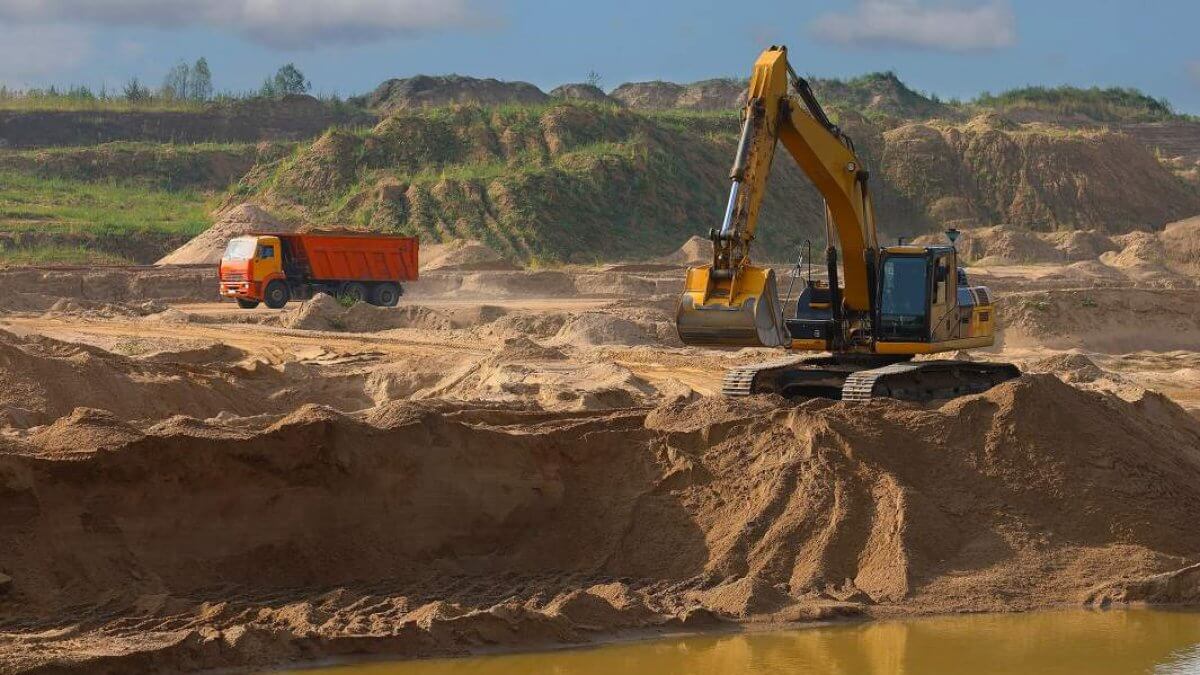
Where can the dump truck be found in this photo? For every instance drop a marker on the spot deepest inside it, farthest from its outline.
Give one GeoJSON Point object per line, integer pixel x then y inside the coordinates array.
{"type": "Point", "coordinates": [274, 268]}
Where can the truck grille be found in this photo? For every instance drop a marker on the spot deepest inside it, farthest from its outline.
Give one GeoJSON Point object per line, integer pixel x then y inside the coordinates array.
{"type": "Point", "coordinates": [233, 276]}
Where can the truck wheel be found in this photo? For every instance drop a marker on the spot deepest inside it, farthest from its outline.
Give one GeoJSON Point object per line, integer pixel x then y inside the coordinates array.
{"type": "Point", "coordinates": [355, 291]}
{"type": "Point", "coordinates": [386, 295]}
{"type": "Point", "coordinates": [277, 294]}
{"type": "Point", "coordinates": [247, 304]}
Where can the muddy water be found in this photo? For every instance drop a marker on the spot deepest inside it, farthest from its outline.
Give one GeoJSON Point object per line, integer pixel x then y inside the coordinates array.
{"type": "Point", "coordinates": [1052, 643]}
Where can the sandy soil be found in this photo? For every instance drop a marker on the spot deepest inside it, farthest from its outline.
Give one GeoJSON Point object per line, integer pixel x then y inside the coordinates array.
{"type": "Point", "coordinates": [516, 458]}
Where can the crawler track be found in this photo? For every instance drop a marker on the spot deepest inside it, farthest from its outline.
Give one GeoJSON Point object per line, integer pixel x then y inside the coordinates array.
{"type": "Point", "coordinates": [862, 380]}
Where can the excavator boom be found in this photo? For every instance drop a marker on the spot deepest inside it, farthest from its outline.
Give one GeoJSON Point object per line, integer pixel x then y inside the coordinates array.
{"type": "Point", "coordinates": [732, 302]}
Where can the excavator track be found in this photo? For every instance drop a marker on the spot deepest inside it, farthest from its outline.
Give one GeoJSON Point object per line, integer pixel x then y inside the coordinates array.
{"type": "Point", "coordinates": [858, 381]}
{"type": "Point", "coordinates": [740, 381]}
{"type": "Point", "coordinates": [926, 380]}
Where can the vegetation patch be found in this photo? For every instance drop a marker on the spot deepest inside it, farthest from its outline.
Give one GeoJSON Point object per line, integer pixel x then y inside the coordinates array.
{"type": "Point", "coordinates": [44, 218]}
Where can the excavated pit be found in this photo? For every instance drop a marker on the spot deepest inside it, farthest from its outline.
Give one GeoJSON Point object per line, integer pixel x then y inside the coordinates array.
{"type": "Point", "coordinates": [515, 460]}
{"type": "Point", "coordinates": [420, 528]}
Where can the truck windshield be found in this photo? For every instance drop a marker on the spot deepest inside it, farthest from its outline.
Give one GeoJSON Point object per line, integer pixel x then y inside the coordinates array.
{"type": "Point", "coordinates": [240, 249]}
{"type": "Point", "coordinates": [903, 299]}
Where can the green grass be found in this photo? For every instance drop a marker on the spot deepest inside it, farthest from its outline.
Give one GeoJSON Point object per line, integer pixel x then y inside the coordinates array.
{"type": "Point", "coordinates": [56, 254]}
{"type": "Point", "coordinates": [137, 146]}
{"type": "Point", "coordinates": [30, 203]}
{"type": "Point", "coordinates": [1113, 104]}
{"type": "Point", "coordinates": [31, 102]}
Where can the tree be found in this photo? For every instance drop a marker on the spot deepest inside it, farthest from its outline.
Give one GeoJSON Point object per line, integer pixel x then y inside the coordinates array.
{"type": "Point", "coordinates": [178, 81]}
{"type": "Point", "coordinates": [200, 87]}
{"type": "Point", "coordinates": [135, 91]}
{"type": "Point", "coordinates": [592, 79]}
{"type": "Point", "coordinates": [287, 80]}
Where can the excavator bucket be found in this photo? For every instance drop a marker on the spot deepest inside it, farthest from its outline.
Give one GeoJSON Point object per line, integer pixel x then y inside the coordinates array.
{"type": "Point", "coordinates": [740, 312]}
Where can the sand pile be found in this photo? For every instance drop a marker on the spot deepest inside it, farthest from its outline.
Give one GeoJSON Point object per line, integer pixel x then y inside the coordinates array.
{"type": "Point", "coordinates": [207, 247]}
{"type": "Point", "coordinates": [1072, 368]}
{"type": "Point", "coordinates": [695, 251]}
{"type": "Point", "coordinates": [1080, 245]}
{"type": "Point", "coordinates": [77, 308]}
{"type": "Point", "coordinates": [43, 379]}
{"type": "Point", "coordinates": [588, 329]}
{"type": "Point", "coordinates": [521, 371]}
{"type": "Point", "coordinates": [1137, 249]}
{"type": "Point", "coordinates": [538, 325]}
{"type": "Point", "coordinates": [1181, 240]}
{"type": "Point", "coordinates": [999, 245]}
{"type": "Point", "coordinates": [509, 528]}
{"type": "Point", "coordinates": [1108, 320]}
{"type": "Point", "coordinates": [324, 312]}
{"type": "Point", "coordinates": [462, 255]}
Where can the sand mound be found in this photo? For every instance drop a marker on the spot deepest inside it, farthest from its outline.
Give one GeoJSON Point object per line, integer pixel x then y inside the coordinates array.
{"type": "Point", "coordinates": [78, 308]}
{"type": "Point", "coordinates": [462, 255]}
{"type": "Point", "coordinates": [695, 251]}
{"type": "Point", "coordinates": [324, 312]}
{"type": "Point", "coordinates": [523, 349]}
{"type": "Point", "coordinates": [85, 430]}
{"type": "Point", "coordinates": [1137, 249]}
{"type": "Point", "coordinates": [1009, 245]}
{"type": "Point", "coordinates": [41, 380]}
{"type": "Point", "coordinates": [509, 527]}
{"type": "Point", "coordinates": [521, 371]}
{"type": "Point", "coordinates": [601, 328]}
{"type": "Point", "coordinates": [207, 247]}
{"type": "Point", "coordinates": [1182, 243]}
{"type": "Point", "coordinates": [1000, 245]}
{"type": "Point", "coordinates": [582, 92]}
{"type": "Point", "coordinates": [539, 325]}
{"type": "Point", "coordinates": [1074, 368]}
{"type": "Point", "coordinates": [1108, 320]}
{"type": "Point", "coordinates": [1080, 245]}
{"type": "Point", "coordinates": [424, 91]}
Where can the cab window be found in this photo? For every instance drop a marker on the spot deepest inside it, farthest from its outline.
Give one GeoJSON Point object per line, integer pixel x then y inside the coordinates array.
{"type": "Point", "coordinates": [903, 298]}
{"type": "Point", "coordinates": [266, 252]}
{"type": "Point", "coordinates": [239, 249]}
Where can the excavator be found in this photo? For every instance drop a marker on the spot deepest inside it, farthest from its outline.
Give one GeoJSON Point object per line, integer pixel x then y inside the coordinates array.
{"type": "Point", "coordinates": [887, 304]}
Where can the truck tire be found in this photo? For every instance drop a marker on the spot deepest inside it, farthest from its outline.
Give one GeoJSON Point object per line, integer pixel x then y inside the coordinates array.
{"type": "Point", "coordinates": [277, 294]}
{"type": "Point", "coordinates": [245, 303]}
{"type": "Point", "coordinates": [354, 291]}
{"type": "Point", "coordinates": [386, 295]}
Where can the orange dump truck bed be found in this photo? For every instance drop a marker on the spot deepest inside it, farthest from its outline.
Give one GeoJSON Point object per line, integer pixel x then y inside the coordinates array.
{"type": "Point", "coordinates": [354, 257]}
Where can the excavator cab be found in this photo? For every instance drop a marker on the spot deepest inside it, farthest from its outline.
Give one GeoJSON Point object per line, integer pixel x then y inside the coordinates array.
{"type": "Point", "coordinates": [925, 303]}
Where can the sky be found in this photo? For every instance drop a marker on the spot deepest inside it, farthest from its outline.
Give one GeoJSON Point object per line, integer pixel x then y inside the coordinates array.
{"type": "Point", "coordinates": [954, 48]}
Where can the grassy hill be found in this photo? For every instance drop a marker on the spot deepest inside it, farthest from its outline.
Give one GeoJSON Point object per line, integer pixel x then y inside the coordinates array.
{"type": "Point", "coordinates": [573, 182]}
{"type": "Point", "coordinates": [553, 183]}
{"type": "Point", "coordinates": [553, 180]}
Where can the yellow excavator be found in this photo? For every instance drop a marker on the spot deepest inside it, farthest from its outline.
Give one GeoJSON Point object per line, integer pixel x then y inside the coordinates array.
{"type": "Point", "coordinates": [895, 301]}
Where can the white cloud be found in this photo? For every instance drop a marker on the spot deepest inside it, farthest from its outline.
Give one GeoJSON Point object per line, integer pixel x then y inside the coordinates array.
{"type": "Point", "coordinates": [33, 52]}
{"type": "Point", "coordinates": [948, 26]}
{"type": "Point", "coordinates": [289, 24]}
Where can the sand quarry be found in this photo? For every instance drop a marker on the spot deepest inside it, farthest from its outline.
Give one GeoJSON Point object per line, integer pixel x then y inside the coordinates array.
{"type": "Point", "coordinates": [515, 459]}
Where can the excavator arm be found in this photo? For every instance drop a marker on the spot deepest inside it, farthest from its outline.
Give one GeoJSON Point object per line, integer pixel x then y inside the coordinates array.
{"type": "Point", "coordinates": [734, 303]}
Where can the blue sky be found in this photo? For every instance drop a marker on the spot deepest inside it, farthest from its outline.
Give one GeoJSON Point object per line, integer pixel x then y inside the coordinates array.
{"type": "Point", "coordinates": [951, 47]}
